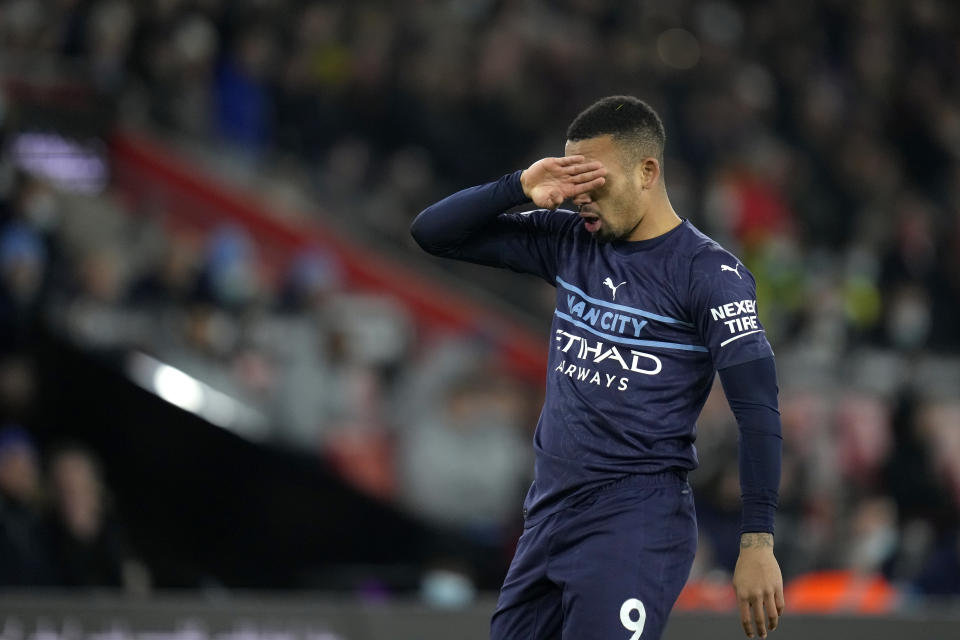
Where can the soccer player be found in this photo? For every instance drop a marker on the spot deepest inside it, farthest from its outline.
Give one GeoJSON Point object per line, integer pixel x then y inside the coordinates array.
{"type": "Point", "coordinates": [648, 309]}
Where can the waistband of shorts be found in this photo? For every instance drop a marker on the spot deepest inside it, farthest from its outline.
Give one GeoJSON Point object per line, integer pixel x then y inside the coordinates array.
{"type": "Point", "coordinates": [659, 479]}
{"type": "Point", "coordinates": [670, 477]}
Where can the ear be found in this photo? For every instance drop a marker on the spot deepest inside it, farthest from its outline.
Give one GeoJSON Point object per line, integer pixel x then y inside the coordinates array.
{"type": "Point", "coordinates": [647, 172]}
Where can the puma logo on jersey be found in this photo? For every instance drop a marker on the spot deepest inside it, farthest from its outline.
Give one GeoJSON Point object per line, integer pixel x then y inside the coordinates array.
{"type": "Point", "coordinates": [724, 267]}
{"type": "Point", "coordinates": [608, 282]}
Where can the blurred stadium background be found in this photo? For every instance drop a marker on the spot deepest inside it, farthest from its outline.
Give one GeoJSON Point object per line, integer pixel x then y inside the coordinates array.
{"type": "Point", "coordinates": [236, 399]}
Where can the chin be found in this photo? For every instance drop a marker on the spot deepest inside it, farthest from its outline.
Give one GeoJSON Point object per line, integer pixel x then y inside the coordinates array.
{"type": "Point", "coordinates": [605, 235]}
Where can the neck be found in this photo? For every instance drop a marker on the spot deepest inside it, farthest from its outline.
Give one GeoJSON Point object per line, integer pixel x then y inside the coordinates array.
{"type": "Point", "coordinates": [658, 220]}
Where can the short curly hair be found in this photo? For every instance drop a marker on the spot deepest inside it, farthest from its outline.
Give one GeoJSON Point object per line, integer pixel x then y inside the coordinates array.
{"type": "Point", "coordinates": [633, 123]}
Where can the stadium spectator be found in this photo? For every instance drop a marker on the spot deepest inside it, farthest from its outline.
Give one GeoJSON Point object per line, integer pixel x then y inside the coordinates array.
{"type": "Point", "coordinates": [87, 545]}
{"type": "Point", "coordinates": [821, 143]}
{"type": "Point", "coordinates": [25, 558]}
{"type": "Point", "coordinates": [466, 462]}
{"type": "Point", "coordinates": [940, 576]}
{"type": "Point", "coordinates": [22, 270]}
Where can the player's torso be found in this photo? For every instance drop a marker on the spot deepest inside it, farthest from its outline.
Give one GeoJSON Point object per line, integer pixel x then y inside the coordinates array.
{"type": "Point", "coordinates": [622, 328]}
{"type": "Point", "coordinates": [636, 334]}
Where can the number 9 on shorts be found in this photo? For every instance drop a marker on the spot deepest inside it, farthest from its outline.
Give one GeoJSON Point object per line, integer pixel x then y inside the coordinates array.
{"type": "Point", "coordinates": [631, 622]}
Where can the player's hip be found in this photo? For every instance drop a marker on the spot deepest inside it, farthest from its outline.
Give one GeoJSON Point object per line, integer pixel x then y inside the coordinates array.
{"type": "Point", "coordinates": [556, 496]}
{"type": "Point", "coordinates": [653, 503]}
{"type": "Point", "coordinates": [655, 509]}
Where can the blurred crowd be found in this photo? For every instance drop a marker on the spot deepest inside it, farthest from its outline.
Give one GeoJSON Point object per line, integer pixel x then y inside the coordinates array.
{"type": "Point", "coordinates": [57, 528]}
{"type": "Point", "coordinates": [820, 141]}
{"type": "Point", "coordinates": [303, 361]}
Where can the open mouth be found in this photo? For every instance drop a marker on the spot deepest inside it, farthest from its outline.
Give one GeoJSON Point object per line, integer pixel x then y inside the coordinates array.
{"type": "Point", "coordinates": [591, 221]}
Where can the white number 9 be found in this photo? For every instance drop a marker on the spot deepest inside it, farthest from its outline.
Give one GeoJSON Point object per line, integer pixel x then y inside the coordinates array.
{"type": "Point", "coordinates": [626, 619]}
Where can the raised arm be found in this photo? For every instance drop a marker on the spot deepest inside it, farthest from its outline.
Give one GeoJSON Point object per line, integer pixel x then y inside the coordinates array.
{"type": "Point", "coordinates": [468, 225]}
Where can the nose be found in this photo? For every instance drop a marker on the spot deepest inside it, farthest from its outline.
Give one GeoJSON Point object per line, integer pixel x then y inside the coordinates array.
{"type": "Point", "coordinates": [582, 199]}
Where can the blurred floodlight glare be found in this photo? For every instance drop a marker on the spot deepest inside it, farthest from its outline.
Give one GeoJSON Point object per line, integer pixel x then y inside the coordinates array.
{"type": "Point", "coordinates": [178, 388]}
{"type": "Point", "coordinates": [190, 394]}
{"type": "Point", "coordinates": [220, 408]}
{"type": "Point", "coordinates": [69, 165]}
{"type": "Point", "coordinates": [678, 48]}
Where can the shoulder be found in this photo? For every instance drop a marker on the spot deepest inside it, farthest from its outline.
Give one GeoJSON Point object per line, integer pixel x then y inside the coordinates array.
{"type": "Point", "coordinates": [708, 259]}
{"type": "Point", "coordinates": [711, 259]}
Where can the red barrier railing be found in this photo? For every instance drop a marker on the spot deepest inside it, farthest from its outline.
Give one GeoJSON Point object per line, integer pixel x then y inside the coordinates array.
{"type": "Point", "coordinates": [154, 175]}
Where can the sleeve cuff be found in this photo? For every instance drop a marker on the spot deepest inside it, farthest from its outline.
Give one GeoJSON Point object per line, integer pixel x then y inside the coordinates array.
{"type": "Point", "coordinates": [515, 188]}
{"type": "Point", "coordinates": [758, 517]}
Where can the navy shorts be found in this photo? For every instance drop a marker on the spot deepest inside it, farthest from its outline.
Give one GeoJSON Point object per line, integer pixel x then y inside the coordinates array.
{"type": "Point", "coordinates": [609, 567]}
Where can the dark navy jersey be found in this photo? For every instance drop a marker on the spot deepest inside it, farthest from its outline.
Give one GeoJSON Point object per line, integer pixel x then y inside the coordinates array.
{"type": "Point", "coordinates": [638, 332]}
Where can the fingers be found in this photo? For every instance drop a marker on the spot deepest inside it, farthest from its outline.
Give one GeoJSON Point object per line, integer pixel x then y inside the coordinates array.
{"type": "Point", "coordinates": [569, 160]}
{"type": "Point", "coordinates": [756, 606]}
{"type": "Point", "coordinates": [745, 618]}
{"type": "Point", "coordinates": [587, 176]}
{"type": "Point", "coordinates": [576, 189]}
{"type": "Point", "coordinates": [752, 613]}
{"type": "Point", "coordinates": [778, 600]}
{"type": "Point", "coordinates": [581, 167]}
{"type": "Point", "coordinates": [773, 612]}
{"type": "Point", "coordinates": [553, 180]}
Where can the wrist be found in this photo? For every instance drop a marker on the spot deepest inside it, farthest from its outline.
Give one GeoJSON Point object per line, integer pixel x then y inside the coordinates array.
{"type": "Point", "coordinates": [756, 541]}
{"type": "Point", "coordinates": [516, 187]}
{"type": "Point", "coordinates": [523, 183]}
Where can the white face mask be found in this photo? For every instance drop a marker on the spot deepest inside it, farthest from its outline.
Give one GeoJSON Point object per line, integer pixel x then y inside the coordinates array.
{"type": "Point", "coordinates": [874, 548]}
{"type": "Point", "coordinates": [908, 324]}
{"type": "Point", "coordinates": [446, 588]}
{"type": "Point", "coordinates": [236, 283]}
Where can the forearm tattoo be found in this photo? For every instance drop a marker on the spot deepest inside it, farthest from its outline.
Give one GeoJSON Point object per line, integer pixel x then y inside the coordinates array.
{"type": "Point", "coordinates": [753, 540]}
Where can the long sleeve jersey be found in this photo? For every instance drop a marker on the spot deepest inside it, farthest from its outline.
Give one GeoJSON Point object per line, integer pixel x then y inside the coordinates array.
{"type": "Point", "coordinates": [638, 334]}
